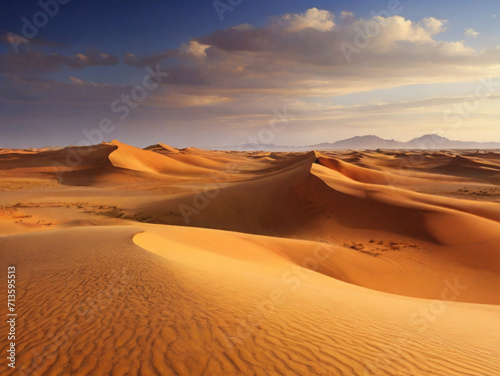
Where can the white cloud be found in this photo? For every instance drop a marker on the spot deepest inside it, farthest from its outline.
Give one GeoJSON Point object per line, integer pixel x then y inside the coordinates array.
{"type": "Point", "coordinates": [433, 25]}
{"type": "Point", "coordinates": [195, 48]}
{"type": "Point", "coordinates": [281, 58]}
{"type": "Point", "coordinates": [471, 32]}
{"type": "Point", "coordinates": [313, 18]}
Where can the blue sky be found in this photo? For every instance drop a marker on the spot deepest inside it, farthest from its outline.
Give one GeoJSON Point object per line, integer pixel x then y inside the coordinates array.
{"type": "Point", "coordinates": [421, 70]}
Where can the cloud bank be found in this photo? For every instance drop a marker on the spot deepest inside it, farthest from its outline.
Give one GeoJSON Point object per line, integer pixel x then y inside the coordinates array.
{"type": "Point", "coordinates": [233, 78]}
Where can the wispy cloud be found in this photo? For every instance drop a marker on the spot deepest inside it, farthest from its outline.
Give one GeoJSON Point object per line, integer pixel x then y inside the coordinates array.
{"type": "Point", "coordinates": [33, 62]}
{"type": "Point", "coordinates": [471, 32]}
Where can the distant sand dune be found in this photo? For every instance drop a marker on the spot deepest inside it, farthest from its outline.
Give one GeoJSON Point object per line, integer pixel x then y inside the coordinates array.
{"type": "Point", "coordinates": [131, 158]}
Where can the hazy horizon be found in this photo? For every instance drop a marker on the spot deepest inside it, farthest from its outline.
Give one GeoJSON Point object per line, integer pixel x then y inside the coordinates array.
{"type": "Point", "coordinates": [222, 147]}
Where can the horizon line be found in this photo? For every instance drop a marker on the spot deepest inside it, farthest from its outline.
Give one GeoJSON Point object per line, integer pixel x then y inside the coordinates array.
{"type": "Point", "coordinates": [225, 147]}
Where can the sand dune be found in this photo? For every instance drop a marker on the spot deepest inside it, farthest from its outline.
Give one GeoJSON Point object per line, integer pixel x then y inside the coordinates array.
{"type": "Point", "coordinates": [162, 148]}
{"type": "Point", "coordinates": [131, 158]}
{"type": "Point", "coordinates": [195, 307]}
{"type": "Point", "coordinates": [172, 261]}
{"type": "Point", "coordinates": [67, 159]}
{"type": "Point", "coordinates": [107, 162]}
{"type": "Point", "coordinates": [296, 200]}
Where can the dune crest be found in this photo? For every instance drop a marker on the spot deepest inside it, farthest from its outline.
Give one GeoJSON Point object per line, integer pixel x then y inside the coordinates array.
{"type": "Point", "coordinates": [162, 147]}
{"type": "Point", "coordinates": [131, 158]}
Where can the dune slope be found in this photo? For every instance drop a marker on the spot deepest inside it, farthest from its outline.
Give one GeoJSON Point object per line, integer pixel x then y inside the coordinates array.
{"type": "Point", "coordinates": [102, 305]}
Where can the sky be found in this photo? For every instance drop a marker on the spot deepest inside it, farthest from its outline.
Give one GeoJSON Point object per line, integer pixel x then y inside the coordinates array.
{"type": "Point", "coordinates": [226, 72]}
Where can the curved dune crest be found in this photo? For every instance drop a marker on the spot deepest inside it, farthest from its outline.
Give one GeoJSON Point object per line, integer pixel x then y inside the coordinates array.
{"type": "Point", "coordinates": [310, 201]}
{"type": "Point", "coordinates": [161, 147]}
{"type": "Point", "coordinates": [393, 274]}
{"type": "Point", "coordinates": [448, 221]}
{"type": "Point", "coordinates": [293, 196]}
{"type": "Point", "coordinates": [132, 158]}
{"type": "Point", "coordinates": [361, 174]}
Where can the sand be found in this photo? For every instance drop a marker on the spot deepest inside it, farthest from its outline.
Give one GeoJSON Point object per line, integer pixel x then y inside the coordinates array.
{"type": "Point", "coordinates": [191, 262]}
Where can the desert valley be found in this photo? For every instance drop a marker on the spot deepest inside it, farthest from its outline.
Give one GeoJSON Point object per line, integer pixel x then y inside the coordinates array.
{"type": "Point", "coordinates": [165, 261]}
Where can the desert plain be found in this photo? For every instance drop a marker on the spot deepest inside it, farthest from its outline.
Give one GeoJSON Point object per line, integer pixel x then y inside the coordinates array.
{"type": "Point", "coordinates": [165, 261]}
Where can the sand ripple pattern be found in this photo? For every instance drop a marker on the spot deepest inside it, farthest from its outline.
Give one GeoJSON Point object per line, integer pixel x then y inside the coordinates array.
{"type": "Point", "coordinates": [101, 305]}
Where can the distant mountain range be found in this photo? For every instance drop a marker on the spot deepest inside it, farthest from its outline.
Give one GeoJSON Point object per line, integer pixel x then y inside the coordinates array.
{"type": "Point", "coordinates": [427, 142]}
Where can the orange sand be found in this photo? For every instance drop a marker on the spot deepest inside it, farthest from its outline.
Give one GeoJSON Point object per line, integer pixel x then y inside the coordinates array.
{"type": "Point", "coordinates": [194, 262]}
